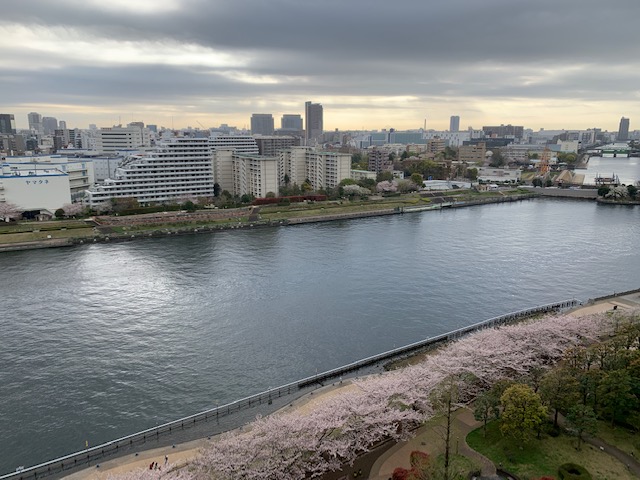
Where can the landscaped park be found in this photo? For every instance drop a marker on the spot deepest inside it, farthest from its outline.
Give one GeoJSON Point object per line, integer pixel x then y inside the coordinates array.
{"type": "Point", "coordinates": [549, 397]}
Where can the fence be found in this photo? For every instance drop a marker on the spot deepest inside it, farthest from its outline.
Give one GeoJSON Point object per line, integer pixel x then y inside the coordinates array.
{"type": "Point", "coordinates": [114, 447]}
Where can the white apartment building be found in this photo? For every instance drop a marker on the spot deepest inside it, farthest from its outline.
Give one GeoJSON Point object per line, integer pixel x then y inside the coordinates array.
{"type": "Point", "coordinates": [175, 169]}
{"type": "Point", "coordinates": [246, 174]}
{"type": "Point", "coordinates": [322, 169]}
{"type": "Point", "coordinates": [490, 174]}
{"type": "Point", "coordinates": [452, 139]}
{"type": "Point", "coordinates": [242, 144]}
{"type": "Point", "coordinates": [46, 188]}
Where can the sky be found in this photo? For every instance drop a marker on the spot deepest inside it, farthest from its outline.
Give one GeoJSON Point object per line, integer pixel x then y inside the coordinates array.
{"type": "Point", "coordinates": [372, 64]}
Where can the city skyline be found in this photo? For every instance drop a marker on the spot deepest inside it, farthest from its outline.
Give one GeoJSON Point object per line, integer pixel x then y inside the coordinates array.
{"type": "Point", "coordinates": [191, 62]}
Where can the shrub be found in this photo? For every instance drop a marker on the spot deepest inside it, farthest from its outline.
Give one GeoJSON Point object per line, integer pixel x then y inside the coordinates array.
{"type": "Point", "coordinates": [572, 471]}
{"type": "Point", "coordinates": [400, 474]}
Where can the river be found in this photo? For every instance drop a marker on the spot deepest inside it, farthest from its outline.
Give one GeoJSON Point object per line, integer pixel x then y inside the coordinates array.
{"type": "Point", "coordinates": [103, 340]}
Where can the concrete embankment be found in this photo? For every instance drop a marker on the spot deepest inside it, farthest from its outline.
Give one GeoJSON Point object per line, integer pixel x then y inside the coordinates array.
{"type": "Point", "coordinates": [583, 194]}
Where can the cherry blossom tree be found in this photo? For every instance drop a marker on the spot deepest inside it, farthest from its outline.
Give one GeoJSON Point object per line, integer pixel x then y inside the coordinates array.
{"type": "Point", "coordinates": [389, 406]}
{"type": "Point", "coordinates": [72, 209]}
{"type": "Point", "coordinates": [387, 186]}
{"type": "Point", "coordinates": [8, 211]}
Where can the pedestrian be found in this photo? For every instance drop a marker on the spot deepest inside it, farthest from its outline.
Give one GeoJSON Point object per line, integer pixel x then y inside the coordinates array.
{"type": "Point", "coordinates": [151, 466]}
{"type": "Point", "coordinates": [166, 459]}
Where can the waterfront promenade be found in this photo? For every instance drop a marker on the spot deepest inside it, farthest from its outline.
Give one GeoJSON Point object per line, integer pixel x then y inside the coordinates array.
{"type": "Point", "coordinates": [376, 465]}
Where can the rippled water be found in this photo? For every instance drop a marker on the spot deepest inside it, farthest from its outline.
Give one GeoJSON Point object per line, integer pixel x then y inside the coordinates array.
{"type": "Point", "coordinates": [104, 340]}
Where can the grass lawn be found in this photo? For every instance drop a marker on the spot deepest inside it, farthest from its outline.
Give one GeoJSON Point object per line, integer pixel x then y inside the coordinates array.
{"type": "Point", "coordinates": [543, 457]}
{"type": "Point", "coordinates": [623, 438]}
{"type": "Point", "coordinates": [37, 236]}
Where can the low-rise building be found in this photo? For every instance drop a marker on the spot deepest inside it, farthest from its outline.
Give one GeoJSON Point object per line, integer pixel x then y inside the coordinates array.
{"type": "Point", "coordinates": [34, 189]}
{"type": "Point", "coordinates": [501, 175]}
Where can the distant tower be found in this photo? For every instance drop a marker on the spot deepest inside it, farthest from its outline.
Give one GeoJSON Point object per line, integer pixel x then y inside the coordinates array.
{"type": "Point", "coordinates": [49, 125]}
{"type": "Point", "coordinates": [291, 122]}
{"type": "Point", "coordinates": [35, 122]}
{"type": "Point", "coordinates": [7, 123]}
{"type": "Point", "coordinates": [262, 124]}
{"type": "Point", "coordinates": [454, 123]}
{"type": "Point", "coordinates": [623, 130]}
{"type": "Point", "coordinates": [313, 121]}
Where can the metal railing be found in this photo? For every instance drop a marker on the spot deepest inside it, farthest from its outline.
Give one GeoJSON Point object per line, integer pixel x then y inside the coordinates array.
{"type": "Point", "coordinates": [126, 443]}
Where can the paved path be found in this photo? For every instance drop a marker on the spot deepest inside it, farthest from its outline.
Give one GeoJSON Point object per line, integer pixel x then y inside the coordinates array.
{"type": "Point", "coordinates": [429, 439]}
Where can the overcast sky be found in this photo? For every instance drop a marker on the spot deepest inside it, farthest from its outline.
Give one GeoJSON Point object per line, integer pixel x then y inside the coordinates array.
{"type": "Point", "coordinates": [371, 63]}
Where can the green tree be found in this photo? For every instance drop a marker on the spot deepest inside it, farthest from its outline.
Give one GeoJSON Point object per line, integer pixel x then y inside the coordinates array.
{"type": "Point", "coordinates": [536, 182]}
{"type": "Point", "coordinates": [471, 173]}
{"type": "Point", "coordinates": [347, 181]}
{"type": "Point", "coordinates": [404, 155]}
{"type": "Point", "coordinates": [582, 419]}
{"type": "Point", "coordinates": [559, 390]}
{"type": "Point", "coordinates": [633, 191]}
{"type": "Point", "coordinates": [522, 412]}
{"type": "Point", "coordinates": [270, 195]}
{"type": "Point", "coordinates": [486, 408]}
{"type": "Point", "coordinates": [216, 189]}
{"type": "Point", "coordinates": [287, 179]}
{"type": "Point", "coordinates": [59, 213]}
{"type": "Point", "coordinates": [384, 176]}
{"type": "Point", "coordinates": [614, 393]}
{"type": "Point", "coordinates": [417, 179]}
{"type": "Point", "coordinates": [189, 206]}
{"type": "Point", "coordinates": [548, 182]}
{"type": "Point", "coordinates": [497, 159]}
{"type": "Point", "coordinates": [603, 190]}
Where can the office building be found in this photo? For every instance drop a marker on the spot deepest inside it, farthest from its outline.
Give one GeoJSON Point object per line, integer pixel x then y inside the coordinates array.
{"type": "Point", "coordinates": [262, 124]}
{"type": "Point", "coordinates": [501, 131]}
{"type": "Point", "coordinates": [291, 122]}
{"type": "Point", "coordinates": [623, 129]}
{"type": "Point", "coordinates": [122, 138]}
{"type": "Point", "coordinates": [313, 122]}
{"type": "Point", "coordinates": [7, 123]}
{"type": "Point", "coordinates": [454, 123]}
{"type": "Point", "coordinates": [49, 125]}
{"type": "Point", "coordinates": [35, 122]}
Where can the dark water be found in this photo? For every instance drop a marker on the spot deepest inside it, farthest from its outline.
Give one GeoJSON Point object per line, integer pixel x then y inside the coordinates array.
{"type": "Point", "coordinates": [101, 341]}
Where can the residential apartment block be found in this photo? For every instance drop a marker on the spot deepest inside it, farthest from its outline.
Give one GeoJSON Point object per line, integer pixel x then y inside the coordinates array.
{"type": "Point", "coordinates": [176, 169]}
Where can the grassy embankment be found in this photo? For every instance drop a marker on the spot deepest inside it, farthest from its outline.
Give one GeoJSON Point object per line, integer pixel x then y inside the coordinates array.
{"type": "Point", "coordinates": [77, 229]}
{"type": "Point", "coordinates": [544, 456]}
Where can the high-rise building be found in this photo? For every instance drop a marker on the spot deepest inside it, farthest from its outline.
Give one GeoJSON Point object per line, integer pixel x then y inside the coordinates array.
{"type": "Point", "coordinates": [623, 130]}
{"type": "Point", "coordinates": [262, 124]}
{"type": "Point", "coordinates": [313, 122]}
{"type": "Point", "coordinates": [291, 122]}
{"type": "Point", "coordinates": [454, 123]}
{"type": "Point", "coordinates": [7, 123]}
{"type": "Point", "coordinates": [177, 168]}
{"type": "Point", "coordinates": [49, 125]}
{"type": "Point", "coordinates": [62, 125]}
{"type": "Point", "coordinates": [35, 122]}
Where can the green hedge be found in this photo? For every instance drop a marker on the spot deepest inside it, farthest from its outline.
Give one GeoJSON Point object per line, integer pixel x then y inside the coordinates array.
{"type": "Point", "coordinates": [572, 471]}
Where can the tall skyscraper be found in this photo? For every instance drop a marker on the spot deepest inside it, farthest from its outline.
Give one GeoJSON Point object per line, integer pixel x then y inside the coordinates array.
{"type": "Point", "coordinates": [291, 122]}
{"type": "Point", "coordinates": [49, 125]}
{"type": "Point", "coordinates": [623, 129]}
{"type": "Point", "coordinates": [7, 123]}
{"type": "Point", "coordinates": [62, 125]}
{"type": "Point", "coordinates": [454, 123]}
{"type": "Point", "coordinates": [313, 122]}
{"type": "Point", "coordinates": [35, 122]}
{"type": "Point", "coordinates": [262, 124]}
